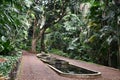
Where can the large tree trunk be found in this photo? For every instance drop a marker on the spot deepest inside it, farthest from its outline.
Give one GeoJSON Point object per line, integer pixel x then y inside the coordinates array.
{"type": "Point", "coordinates": [42, 42]}
{"type": "Point", "coordinates": [42, 39]}
{"type": "Point", "coordinates": [118, 56]}
{"type": "Point", "coordinates": [109, 58]}
{"type": "Point", "coordinates": [35, 39]}
{"type": "Point", "coordinates": [118, 34]}
{"type": "Point", "coordinates": [33, 47]}
{"type": "Point", "coordinates": [36, 36]}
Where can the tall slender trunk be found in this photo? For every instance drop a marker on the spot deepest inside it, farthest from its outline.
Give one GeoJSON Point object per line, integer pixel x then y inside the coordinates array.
{"type": "Point", "coordinates": [109, 58]}
{"type": "Point", "coordinates": [118, 37]}
{"type": "Point", "coordinates": [119, 58]}
{"type": "Point", "coordinates": [34, 39]}
{"type": "Point", "coordinates": [119, 54]}
{"type": "Point", "coordinates": [118, 33]}
{"type": "Point", "coordinates": [36, 36]}
{"type": "Point", "coordinates": [33, 47]}
{"type": "Point", "coordinates": [42, 42]}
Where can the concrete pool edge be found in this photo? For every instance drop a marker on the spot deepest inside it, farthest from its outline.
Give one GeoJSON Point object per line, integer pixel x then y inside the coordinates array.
{"type": "Point", "coordinates": [96, 75]}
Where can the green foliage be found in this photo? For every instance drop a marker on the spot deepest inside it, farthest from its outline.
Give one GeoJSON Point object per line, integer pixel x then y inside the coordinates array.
{"type": "Point", "coordinates": [55, 41]}
{"type": "Point", "coordinates": [6, 67]}
{"type": "Point", "coordinates": [103, 32]}
{"type": "Point", "coordinates": [93, 37]}
{"type": "Point", "coordinates": [58, 52]}
{"type": "Point", "coordinates": [5, 46]}
{"type": "Point", "coordinates": [13, 25]}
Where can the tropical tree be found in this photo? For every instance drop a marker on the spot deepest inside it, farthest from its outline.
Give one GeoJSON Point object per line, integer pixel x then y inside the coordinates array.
{"type": "Point", "coordinates": [46, 14]}
{"type": "Point", "coordinates": [91, 37]}
{"type": "Point", "coordinates": [103, 32]}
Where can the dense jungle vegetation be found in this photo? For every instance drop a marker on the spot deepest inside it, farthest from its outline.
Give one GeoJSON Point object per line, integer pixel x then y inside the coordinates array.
{"type": "Point", "coordinates": [86, 30]}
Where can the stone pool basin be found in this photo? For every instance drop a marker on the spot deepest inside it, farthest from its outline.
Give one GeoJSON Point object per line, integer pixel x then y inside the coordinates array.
{"type": "Point", "coordinates": [65, 69]}
{"type": "Point", "coordinates": [73, 74]}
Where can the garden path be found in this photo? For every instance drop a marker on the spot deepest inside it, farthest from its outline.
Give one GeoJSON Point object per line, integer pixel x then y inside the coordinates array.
{"type": "Point", "coordinates": [31, 68]}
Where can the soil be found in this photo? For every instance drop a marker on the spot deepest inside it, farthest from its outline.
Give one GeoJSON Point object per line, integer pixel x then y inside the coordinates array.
{"type": "Point", "coordinates": [32, 68]}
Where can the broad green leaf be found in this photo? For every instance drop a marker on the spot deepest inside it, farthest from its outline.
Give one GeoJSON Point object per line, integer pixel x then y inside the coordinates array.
{"type": "Point", "coordinates": [1, 47]}
{"type": "Point", "coordinates": [3, 38]}
{"type": "Point", "coordinates": [28, 3]}
{"type": "Point", "coordinates": [92, 38]}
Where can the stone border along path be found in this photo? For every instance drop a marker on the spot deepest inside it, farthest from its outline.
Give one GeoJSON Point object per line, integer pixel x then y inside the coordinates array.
{"type": "Point", "coordinates": [32, 68]}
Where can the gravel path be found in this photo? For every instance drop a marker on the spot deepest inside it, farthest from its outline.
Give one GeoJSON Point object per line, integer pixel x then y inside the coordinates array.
{"type": "Point", "coordinates": [32, 68]}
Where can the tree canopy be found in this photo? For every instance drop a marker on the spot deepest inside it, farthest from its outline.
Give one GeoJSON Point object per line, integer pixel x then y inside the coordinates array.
{"type": "Point", "coordinates": [80, 29]}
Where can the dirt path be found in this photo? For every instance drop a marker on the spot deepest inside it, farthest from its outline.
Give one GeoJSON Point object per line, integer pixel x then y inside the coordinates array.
{"type": "Point", "coordinates": [32, 68]}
